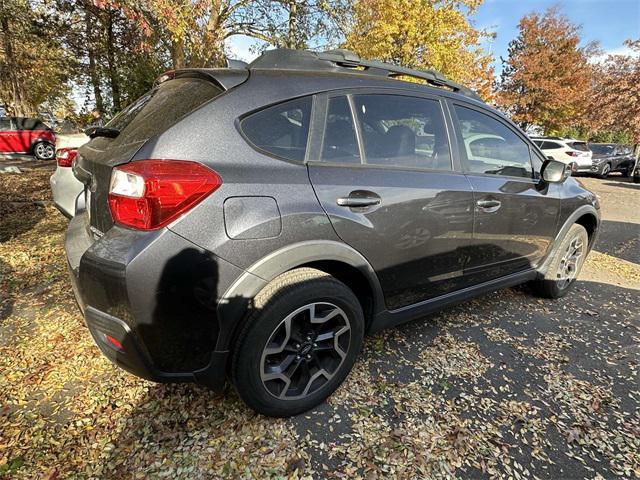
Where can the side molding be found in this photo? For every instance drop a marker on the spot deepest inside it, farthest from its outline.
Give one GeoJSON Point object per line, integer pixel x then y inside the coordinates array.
{"type": "Point", "coordinates": [238, 297]}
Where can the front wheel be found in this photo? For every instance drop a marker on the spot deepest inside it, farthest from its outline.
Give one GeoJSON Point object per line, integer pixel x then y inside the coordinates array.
{"type": "Point", "coordinates": [298, 344]}
{"type": "Point", "coordinates": [565, 265]}
{"type": "Point", "coordinates": [606, 170]}
{"type": "Point", "coordinates": [43, 151]}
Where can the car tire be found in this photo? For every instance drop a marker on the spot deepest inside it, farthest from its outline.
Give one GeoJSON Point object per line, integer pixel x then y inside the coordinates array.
{"type": "Point", "coordinates": [43, 151]}
{"type": "Point", "coordinates": [280, 367]}
{"type": "Point", "coordinates": [628, 172]}
{"type": "Point", "coordinates": [606, 170]}
{"type": "Point", "coordinates": [565, 265]}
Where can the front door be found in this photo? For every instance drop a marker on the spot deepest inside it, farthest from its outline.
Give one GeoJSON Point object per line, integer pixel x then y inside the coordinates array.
{"type": "Point", "coordinates": [388, 185]}
{"type": "Point", "coordinates": [516, 213]}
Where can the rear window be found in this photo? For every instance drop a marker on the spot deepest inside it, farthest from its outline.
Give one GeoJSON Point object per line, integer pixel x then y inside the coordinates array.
{"type": "Point", "coordinates": [282, 129]}
{"type": "Point", "coordinates": [582, 146]}
{"type": "Point", "coordinates": [162, 107]}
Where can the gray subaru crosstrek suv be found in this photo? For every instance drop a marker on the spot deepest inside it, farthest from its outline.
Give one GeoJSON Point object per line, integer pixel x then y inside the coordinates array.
{"type": "Point", "coordinates": [254, 223]}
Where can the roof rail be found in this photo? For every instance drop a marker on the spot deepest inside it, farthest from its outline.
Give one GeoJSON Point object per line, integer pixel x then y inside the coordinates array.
{"type": "Point", "coordinates": [336, 60]}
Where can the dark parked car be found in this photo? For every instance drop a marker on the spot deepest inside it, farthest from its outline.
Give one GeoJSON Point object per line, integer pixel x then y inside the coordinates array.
{"type": "Point", "coordinates": [610, 157]}
{"type": "Point", "coordinates": [27, 136]}
{"type": "Point", "coordinates": [253, 224]}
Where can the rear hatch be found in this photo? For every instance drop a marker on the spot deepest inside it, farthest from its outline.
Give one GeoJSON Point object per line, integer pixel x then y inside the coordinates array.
{"type": "Point", "coordinates": [146, 118]}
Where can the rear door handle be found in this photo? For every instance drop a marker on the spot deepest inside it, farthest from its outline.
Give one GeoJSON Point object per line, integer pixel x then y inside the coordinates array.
{"type": "Point", "coordinates": [357, 201]}
{"type": "Point", "coordinates": [488, 205]}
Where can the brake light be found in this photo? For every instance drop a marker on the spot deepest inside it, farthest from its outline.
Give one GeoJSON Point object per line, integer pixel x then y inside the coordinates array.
{"type": "Point", "coordinates": [149, 194]}
{"type": "Point", "coordinates": [572, 153]}
{"type": "Point", "coordinates": [66, 156]}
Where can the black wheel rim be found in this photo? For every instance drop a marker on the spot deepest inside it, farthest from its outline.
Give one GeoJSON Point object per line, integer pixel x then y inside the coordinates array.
{"type": "Point", "coordinates": [305, 351]}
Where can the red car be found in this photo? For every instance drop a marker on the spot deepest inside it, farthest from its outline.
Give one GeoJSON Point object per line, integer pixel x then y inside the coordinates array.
{"type": "Point", "coordinates": [27, 135]}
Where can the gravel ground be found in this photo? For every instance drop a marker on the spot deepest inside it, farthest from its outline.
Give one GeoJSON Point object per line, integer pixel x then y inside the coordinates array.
{"type": "Point", "coordinates": [504, 386]}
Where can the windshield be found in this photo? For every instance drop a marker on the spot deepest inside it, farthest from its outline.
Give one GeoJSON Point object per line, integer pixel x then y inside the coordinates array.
{"type": "Point", "coordinates": [602, 149]}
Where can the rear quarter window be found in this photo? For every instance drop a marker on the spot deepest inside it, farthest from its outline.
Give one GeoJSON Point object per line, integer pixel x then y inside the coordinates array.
{"type": "Point", "coordinates": [162, 107]}
{"type": "Point", "coordinates": [281, 130]}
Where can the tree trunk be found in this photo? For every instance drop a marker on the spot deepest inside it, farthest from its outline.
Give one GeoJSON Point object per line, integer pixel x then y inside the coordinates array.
{"type": "Point", "coordinates": [18, 105]}
{"type": "Point", "coordinates": [177, 53]}
{"type": "Point", "coordinates": [112, 72]}
{"type": "Point", "coordinates": [93, 70]}
{"type": "Point", "coordinates": [293, 25]}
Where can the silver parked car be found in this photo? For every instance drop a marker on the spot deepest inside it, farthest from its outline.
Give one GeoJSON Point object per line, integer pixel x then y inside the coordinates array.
{"type": "Point", "coordinates": [64, 185]}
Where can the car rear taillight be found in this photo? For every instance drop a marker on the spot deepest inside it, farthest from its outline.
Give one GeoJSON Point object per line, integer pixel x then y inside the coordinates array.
{"type": "Point", "coordinates": [66, 156]}
{"type": "Point", "coordinates": [149, 194]}
{"type": "Point", "coordinates": [571, 153]}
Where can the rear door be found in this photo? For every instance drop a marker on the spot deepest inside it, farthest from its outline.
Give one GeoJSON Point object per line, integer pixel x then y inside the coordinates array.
{"type": "Point", "coordinates": [382, 169]}
{"type": "Point", "coordinates": [515, 213]}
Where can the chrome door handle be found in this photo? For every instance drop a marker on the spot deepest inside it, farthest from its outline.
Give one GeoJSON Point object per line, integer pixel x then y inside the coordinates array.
{"type": "Point", "coordinates": [488, 205]}
{"type": "Point", "coordinates": [357, 201]}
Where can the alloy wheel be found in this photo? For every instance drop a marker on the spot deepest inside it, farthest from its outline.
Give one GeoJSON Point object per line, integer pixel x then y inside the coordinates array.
{"type": "Point", "coordinates": [570, 263]}
{"type": "Point", "coordinates": [305, 351]}
{"type": "Point", "coordinates": [44, 151]}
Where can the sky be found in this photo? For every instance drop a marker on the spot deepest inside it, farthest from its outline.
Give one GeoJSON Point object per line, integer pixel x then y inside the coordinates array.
{"type": "Point", "coordinates": [609, 22]}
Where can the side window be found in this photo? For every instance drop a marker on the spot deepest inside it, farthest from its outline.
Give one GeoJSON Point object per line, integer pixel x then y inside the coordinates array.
{"type": "Point", "coordinates": [5, 124]}
{"type": "Point", "coordinates": [552, 146]}
{"type": "Point", "coordinates": [282, 129]}
{"type": "Point", "coordinates": [340, 143]}
{"type": "Point", "coordinates": [491, 146]}
{"type": "Point", "coordinates": [403, 131]}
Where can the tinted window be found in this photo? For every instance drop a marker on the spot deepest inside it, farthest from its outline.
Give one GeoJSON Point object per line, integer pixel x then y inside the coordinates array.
{"type": "Point", "coordinates": [602, 149]}
{"type": "Point", "coordinates": [339, 142]}
{"type": "Point", "coordinates": [491, 146]}
{"type": "Point", "coordinates": [551, 145]}
{"type": "Point", "coordinates": [5, 124]}
{"type": "Point", "coordinates": [282, 129]}
{"type": "Point", "coordinates": [582, 146]}
{"type": "Point", "coordinates": [403, 131]}
{"type": "Point", "coordinates": [23, 123]}
{"type": "Point", "coordinates": [161, 107]}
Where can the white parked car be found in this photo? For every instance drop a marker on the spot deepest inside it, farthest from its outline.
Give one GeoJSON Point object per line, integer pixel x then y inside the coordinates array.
{"type": "Point", "coordinates": [64, 185]}
{"type": "Point", "coordinates": [567, 150]}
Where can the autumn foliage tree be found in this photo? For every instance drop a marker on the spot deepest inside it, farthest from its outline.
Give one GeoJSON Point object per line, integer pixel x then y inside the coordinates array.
{"type": "Point", "coordinates": [546, 79]}
{"type": "Point", "coordinates": [615, 104]}
{"type": "Point", "coordinates": [423, 34]}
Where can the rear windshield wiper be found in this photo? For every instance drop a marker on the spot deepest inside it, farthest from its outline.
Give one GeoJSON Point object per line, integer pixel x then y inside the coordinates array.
{"type": "Point", "coordinates": [93, 132]}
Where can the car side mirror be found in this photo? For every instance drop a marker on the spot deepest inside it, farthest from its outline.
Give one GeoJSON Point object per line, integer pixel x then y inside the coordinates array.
{"type": "Point", "coordinates": [549, 157]}
{"type": "Point", "coordinates": [555, 172]}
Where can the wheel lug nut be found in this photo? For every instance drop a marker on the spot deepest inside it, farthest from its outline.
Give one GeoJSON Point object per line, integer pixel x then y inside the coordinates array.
{"type": "Point", "coordinates": [315, 344]}
{"type": "Point", "coordinates": [308, 338]}
{"type": "Point", "coordinates": [297, 345]}
{"type": "Point", "coordinates": [308, 357]}
{"type": "Point", "coordinates": [297, 357]}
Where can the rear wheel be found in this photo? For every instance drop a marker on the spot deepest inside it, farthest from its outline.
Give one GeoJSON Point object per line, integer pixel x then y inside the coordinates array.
{"type": "Point", "coordinates": [566, 264]}
{"type": "Point", "coordinates": [298, 344]}
{"type": "Point", "coordinates": [43, 151]}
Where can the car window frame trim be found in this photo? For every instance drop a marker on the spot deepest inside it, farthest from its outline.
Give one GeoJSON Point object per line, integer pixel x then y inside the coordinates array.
{"type": "Point", "coordinates": [535, 176]}
{"type": "Point", "coordinates": [349, 93]}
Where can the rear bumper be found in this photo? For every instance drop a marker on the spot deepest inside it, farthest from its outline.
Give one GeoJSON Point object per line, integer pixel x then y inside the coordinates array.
{"type": "Point", "coordinates": [149, 300]}
{"type": "Point", "coordinates": [65, 189]}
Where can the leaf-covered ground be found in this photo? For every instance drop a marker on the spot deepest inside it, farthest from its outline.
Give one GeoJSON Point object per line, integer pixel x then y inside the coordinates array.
{"type": "Point", "coordinates": [504, 386]}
